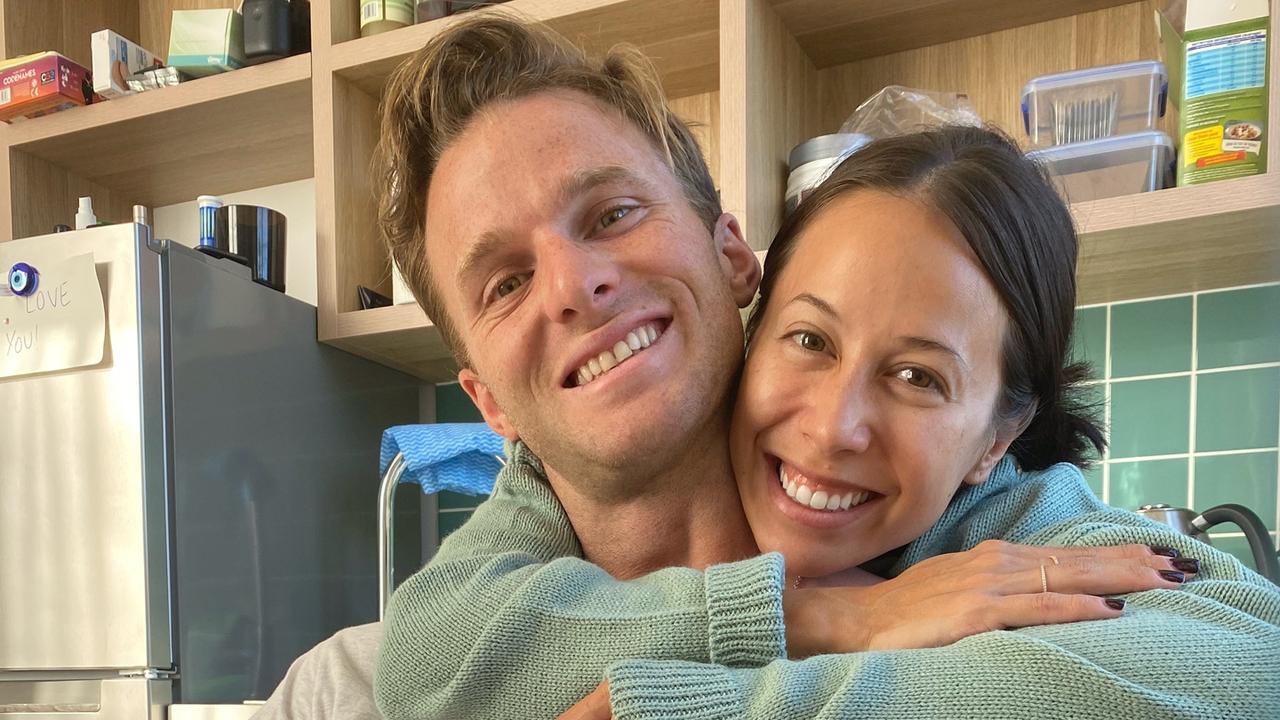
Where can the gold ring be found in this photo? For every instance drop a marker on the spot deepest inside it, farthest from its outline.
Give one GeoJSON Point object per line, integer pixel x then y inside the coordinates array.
{"type": "Point", "coordinates": [1044, 579]}
{"type": "Point", "coordinates": [1054, 558]}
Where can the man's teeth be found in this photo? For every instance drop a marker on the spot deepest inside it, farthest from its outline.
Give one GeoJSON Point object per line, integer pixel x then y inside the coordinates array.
{"type": "Point", "coordinates": [820, 499]}
{"type": "Point", "coordinates": [635, 341]}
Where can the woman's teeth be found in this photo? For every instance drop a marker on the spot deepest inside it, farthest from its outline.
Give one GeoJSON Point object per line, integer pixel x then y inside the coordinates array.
{"type": "Point", "coordinates": [820, 499]}
{"type": "Point", "coordinates": [635, 341]}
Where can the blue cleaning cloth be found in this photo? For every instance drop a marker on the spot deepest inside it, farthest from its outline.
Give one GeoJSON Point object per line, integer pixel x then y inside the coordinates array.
{"type": "Point", "coordinates": [459, 457]}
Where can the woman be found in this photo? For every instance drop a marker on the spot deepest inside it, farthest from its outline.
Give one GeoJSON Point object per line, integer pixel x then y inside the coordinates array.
{"type": "Point", "coordinates": [906, 394]}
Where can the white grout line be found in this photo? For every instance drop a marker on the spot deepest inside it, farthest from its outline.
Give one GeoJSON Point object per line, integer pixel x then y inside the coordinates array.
{"type": "Point", "coordinates": [1178, 295]}
{"type": "Point", "coordinates": [1236, 368]}
{"type": "Point", "coordinates": [1106, 409]}
{"type": "Point", "coordinates": [1202, 453]}
{"type": "Point", "coordinates": [1191, 414]}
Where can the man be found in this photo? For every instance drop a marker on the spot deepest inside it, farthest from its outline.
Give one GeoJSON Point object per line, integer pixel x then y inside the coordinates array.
{"type": "Point", "coordinates": [562, 230]}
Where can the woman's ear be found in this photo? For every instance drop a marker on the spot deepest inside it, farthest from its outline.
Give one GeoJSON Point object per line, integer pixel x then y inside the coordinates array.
{"type": "Point", "coordinates": [737, 261]}
{"type": "Point", "coordinates": [1001, 439]}
{"type": "Point", "coordinates": [479, 393]}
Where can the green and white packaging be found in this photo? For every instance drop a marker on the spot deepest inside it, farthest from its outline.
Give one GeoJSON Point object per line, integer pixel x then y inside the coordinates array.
{"type": "Point", "coordinates": [206, 42]}
{"type": "Point", "coordinates": [1216, 53]}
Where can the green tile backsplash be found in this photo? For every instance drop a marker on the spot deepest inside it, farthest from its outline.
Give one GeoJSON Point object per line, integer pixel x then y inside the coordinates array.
{"type": "Point", "coordinates": [1241, 327]}
{"type": "Point", "coordinates": [1148, 338]}
{"type": "Point", "coordinates": [1150, 417]}
{"type": "Point", "coordinates": [1233, 372]}
{"type": "Point", "coordinates": [1193, 390]}
{"type": "Point", "coordinates": [1134, 484]}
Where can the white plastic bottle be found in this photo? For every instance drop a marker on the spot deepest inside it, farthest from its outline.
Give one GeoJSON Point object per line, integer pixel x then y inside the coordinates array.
{"type": "Point", "coordinates": [84, 215]}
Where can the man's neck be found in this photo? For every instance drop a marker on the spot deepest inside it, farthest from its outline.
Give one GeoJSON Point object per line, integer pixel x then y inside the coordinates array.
{"type": "Point", "coordinates": [689, 516]}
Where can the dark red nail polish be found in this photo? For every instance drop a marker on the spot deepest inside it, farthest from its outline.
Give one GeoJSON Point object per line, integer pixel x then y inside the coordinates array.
{"type": "Point", "coordinates": [1115, 603]}
{"type": "Point", "coordinates": [1173, 576]}
{"type": "Point", "coordinates": [1191, 566]}
{"type": "Point", "coordinates": [1164, 550]}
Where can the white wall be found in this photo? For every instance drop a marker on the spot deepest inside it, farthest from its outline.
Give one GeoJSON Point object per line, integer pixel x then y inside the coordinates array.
{"type": "Point", "coordinates": [297, 200]}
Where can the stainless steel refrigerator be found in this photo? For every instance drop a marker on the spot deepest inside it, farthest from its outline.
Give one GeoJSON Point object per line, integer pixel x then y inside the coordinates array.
{"type": "Point", "coordinates": [187, 506]}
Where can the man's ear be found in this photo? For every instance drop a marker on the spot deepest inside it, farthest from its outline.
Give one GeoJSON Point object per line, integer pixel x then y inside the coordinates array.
{"type": "Point", "coordinates": [479, 393]}
{"type": "Point", "coordinates": [1001, 440]}
{"type": "Point", "coordinates": [737, 261]}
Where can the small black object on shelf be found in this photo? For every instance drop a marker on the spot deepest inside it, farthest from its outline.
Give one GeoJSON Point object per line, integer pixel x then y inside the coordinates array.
{"type": "Point", "coordinates": [371, 298]}
{"type": "Point", "coordinates": [274, 29]}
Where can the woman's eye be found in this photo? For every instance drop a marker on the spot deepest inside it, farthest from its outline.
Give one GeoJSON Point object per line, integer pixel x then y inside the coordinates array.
{"type": "Point", "coordinates": [613, 216]}
{"type": "Point", "coordinates": [916, 377]}
{"type": "Point", "coordinates": [508, 286]}
{"type": "Point", "coordinates": [810, 341]}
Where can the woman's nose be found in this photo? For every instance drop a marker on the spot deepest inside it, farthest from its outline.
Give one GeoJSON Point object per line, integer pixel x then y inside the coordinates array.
{"type": "Point", "coordinates": [841, 418]}
{"type": "Point", "coordinates": [581, 279]}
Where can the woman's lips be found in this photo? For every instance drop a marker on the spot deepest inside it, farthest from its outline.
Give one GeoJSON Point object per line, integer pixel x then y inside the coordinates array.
{"type": "Point", "coordinates": [817, 504]}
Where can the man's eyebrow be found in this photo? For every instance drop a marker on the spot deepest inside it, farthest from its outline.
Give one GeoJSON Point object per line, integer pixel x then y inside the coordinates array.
{"type": "Point", "coordinates": [583, 181]}
{"type": "Point", "coordinates": [484, 246]}
{"type": "Point", "coordinates": [576, 184]}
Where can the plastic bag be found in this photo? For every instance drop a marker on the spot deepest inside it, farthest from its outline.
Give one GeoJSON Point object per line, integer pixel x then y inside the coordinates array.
{"type": "Point", "coordinates": [896, 110]}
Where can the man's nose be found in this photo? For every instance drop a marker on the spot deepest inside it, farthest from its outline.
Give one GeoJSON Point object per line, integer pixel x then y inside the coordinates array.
{"type": "Point", "coordinates": [842, 416]}
{"type": "Point", "coordinates": [581, 279]}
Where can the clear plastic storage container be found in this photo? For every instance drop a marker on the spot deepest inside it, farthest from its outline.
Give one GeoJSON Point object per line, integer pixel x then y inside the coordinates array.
{"type": "Point", "coordinates": [1100, 102]}
{"type": "Point", "coordinates": [1124, 165]}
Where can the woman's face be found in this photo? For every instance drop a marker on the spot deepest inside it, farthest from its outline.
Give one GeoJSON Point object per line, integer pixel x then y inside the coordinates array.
{"type": "Point", "coordinates": [870, 385]}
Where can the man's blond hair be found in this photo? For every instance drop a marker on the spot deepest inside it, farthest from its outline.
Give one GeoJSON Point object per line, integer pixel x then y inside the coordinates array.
{"type": "Point", "coordinates": [493, 57]}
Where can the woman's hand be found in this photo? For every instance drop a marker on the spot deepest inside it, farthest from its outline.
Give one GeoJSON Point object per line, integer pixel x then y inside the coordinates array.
{"type": "Point", "coordinates": [995, 586]}
{"type": "Point", "coordinates": [592, 707]}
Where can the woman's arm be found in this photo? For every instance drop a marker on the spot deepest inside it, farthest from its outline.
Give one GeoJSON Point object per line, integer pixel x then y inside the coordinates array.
{"type": "Point", "coordinates": [1211, 649]}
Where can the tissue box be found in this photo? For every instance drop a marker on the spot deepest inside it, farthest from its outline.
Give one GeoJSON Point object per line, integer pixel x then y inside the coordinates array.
{"type": "Point", "coordinates": [1217, 57]}
{"type": "Point", "coordinates": [115, 59]}
{"type": "Point", "coordinates": [40, 84]}
{"type": "Point", "coordinates": [206, 42]}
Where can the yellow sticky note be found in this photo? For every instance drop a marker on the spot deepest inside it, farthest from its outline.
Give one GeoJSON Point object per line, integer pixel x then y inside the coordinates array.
{"type": "Point", "coordinates": [62, 325]}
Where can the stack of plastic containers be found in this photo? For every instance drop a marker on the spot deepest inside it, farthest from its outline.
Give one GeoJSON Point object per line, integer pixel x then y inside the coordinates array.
{"type": "Point", "coordinates": [1095, 130]}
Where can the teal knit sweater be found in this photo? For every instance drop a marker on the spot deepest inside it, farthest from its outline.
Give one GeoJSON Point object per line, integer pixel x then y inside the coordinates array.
{"type": "Point", "coordinates": [507, 621]}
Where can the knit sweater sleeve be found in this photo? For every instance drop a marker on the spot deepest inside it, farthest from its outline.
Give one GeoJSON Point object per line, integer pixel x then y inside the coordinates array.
{"type": "Point", "coordinates": [508, 614]}
{"type": "Point", "coordinates": [1208, 650]}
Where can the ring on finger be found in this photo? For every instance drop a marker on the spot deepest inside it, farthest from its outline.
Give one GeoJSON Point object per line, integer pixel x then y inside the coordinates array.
{"type": "Point", "coordinates": [1054, 558]}
{"type": "Point", "coordinates": [1044, 579]}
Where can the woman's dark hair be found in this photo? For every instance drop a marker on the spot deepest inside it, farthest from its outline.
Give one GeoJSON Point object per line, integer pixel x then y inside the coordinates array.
{"type": "Point", "coordinates": [1022, 233]}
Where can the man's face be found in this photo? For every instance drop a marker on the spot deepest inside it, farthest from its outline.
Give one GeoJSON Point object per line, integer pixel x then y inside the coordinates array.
{"type": "Point", "coordinates": [599, 314]}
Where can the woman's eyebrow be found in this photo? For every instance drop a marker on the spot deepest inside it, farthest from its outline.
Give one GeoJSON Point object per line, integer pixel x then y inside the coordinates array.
{"type": "Point", "coordinates": [920, 343]}
{"type": "Point", "coordinates": [822, 305]}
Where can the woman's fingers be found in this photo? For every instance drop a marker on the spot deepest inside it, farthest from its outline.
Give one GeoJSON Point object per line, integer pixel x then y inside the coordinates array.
{"type": "Point", "coordinates": [1051, 608]}
{"type": "Point", "coordinates": [1093, 575]}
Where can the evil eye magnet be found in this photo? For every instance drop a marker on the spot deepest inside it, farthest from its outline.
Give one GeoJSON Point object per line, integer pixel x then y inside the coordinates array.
{"type": "Point", "coordinates": [23, 279]}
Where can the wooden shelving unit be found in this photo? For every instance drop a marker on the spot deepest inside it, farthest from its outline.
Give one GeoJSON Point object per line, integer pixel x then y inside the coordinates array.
{"type": "Point", "coordinates": [755, 77]}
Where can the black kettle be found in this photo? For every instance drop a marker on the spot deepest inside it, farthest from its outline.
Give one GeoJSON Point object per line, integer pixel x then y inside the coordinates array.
{"type": "Point", "coordinates": [1188, 522]}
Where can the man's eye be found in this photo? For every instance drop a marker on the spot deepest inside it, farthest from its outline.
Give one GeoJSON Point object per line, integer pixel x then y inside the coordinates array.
{"type": "Point", "coordinates": [613, 216]}
{"type": "Point", "coordinates": [809, 341]}
{"type": "Point", "coordinates": [916, 377]}
{"type": "Point", "coordinates": [508, 286]}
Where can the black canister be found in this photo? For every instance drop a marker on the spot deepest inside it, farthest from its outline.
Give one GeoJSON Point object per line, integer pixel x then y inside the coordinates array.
{"type": "Point", "coordinates": [255, 236]}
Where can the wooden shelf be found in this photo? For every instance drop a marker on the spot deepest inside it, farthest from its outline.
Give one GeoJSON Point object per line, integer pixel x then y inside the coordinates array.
{"type": "Point", "coordinates": [234, 131]}
{"type": "Point", "coordinates": [833, 33]}
{"type": "Point", "coordinates": [1179, 240]}
{"type": "Point", "coordinates": [399, 336]}
{"type": "Point", "coordinates": [680, 36]}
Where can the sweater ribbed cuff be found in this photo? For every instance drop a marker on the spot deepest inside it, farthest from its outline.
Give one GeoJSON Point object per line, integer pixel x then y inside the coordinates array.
{"type": "Point", "coordinates": [744, 612]}
{"type": "Point", "coordinates": [643, 689]}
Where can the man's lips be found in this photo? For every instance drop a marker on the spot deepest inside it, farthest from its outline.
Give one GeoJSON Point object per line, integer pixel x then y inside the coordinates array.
{"type": "Point", "coordinates": [618, 345]}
